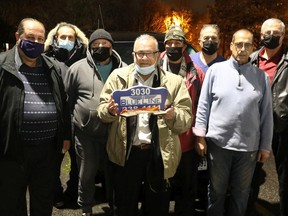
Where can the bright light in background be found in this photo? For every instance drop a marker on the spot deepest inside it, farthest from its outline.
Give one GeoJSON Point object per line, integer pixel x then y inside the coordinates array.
{"type": "Point", "coordinates": [179, 19]}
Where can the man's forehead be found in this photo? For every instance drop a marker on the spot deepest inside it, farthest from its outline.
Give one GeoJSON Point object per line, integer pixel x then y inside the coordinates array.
{"type": "Point", "coordinates": [145, 45]}
{"type": "Point", "coordinates": [209, 31]}
{"type": "Point", "coordinates": [66, 30]}
{"type": "Point", "coordinates": [272, 26]}
{"type": "Point", "coordinates": [30, 26]}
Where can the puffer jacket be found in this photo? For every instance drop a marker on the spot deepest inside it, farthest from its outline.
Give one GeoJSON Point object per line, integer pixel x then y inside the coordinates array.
{"type": "Point", "coordinates": [83, 85]}
{"type": "Point", "coordinates": [11, 105]}
{"type": "Point", "coordinates": [279, 90]}
{"type": "Point", "coordinates": [168, 138]}
{"type": "Point", "coordinates": [79, 51]}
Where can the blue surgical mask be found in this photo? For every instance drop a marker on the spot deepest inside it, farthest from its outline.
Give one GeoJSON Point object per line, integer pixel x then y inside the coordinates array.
{"type": "Point", "coordinates": [144, 70]}
{"type": "Point", "coordinates": [31, 49]}
{"type": "Point", "coordinates": [66, 44]}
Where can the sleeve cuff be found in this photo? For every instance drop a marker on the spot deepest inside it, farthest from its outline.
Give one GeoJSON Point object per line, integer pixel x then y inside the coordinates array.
{"type": "Point", "coordinates": [201, 132]}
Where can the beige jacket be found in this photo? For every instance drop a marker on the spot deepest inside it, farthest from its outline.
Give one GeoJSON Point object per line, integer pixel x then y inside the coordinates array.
{"type": "Point", "coordinates": [123, 78]}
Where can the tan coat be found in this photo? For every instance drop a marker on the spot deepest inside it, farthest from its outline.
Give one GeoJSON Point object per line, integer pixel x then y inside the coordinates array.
{"type": "Point", "coordinates": [123, 78]}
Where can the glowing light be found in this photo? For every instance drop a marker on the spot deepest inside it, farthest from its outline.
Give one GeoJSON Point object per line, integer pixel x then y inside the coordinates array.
{"type": "Point", "coordinates": [179, 19]}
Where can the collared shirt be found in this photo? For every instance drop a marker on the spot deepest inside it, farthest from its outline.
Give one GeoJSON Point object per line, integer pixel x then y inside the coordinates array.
{"type": "Point", "coordinates": [269, 65]}
{"type": "Point", "coordinates": [142, 132]}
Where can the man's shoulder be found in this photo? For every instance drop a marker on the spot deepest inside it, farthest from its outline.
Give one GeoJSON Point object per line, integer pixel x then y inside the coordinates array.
{"type": "Point", "coordinates": [194, 55]}
{"type": "Point", "coordinates": [8, 55]}
{"type": "Point", "coordinates": [171, 77]}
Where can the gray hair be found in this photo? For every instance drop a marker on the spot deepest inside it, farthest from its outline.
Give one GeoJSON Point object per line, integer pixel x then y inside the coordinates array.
{"type": "Point", "coordinates": [271, 20]}
{"type": "Point", "coordinates": [144, 37]}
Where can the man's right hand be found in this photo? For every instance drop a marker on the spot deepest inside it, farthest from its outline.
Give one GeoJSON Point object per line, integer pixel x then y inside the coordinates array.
{"type": "Point", "coordinates": [112, 107]}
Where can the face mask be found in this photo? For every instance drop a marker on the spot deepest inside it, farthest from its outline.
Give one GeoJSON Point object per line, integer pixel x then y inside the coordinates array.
{"type": "Point", "coordinates": [31, 49]}
{"type": "Point", "coordinates": [209, 47]}
{"type": "Point", "coordinates": [100, 54]}
{"type": "Point", "coordinates": [144, 70]}
{"type": "Point", "coordinates": [174, 53]}
{"type": "Point", "coordinates": [66, 44]}
{"type": "Point", "coordinates": [270, 41]}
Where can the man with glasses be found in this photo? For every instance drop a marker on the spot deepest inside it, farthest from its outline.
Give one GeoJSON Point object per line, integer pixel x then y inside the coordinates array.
{"type": "Point", "coordinates": [145, 150]}
{"type": "Point", "coordinates": [234, 117]}
{"type": "Point", "coordinates": [209, 42]}
{"type": "Point", "coordinates": [176, 59]}
{"type": "Point", "coordinates": [273, 59]}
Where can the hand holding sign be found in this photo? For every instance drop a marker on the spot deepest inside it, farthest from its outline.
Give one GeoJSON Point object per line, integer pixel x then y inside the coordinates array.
{"type": "Point", "coordinates": [139, 99]}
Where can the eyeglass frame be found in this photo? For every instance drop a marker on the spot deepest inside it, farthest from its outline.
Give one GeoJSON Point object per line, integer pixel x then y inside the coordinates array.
{"type": "Point", "coordinates": [149, 55]}
{"type": "Point", "coordinates": [246, 45]}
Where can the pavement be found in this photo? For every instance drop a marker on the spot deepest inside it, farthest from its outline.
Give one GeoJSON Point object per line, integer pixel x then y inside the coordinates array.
{"type": "Point", "coordinates": [267, 204]}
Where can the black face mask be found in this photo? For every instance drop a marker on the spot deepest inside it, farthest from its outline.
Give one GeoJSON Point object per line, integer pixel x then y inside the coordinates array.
{"type": "Point", "coordinates": [270, 41]}
{"type": "Point", "coordinates": [100, 54]}
{"type": "Point", "coordinates": [174, 53]}
{"type": "Point", "coordinates": [61, 54]}
{"type": "Point", "coordinates": [209, 47]}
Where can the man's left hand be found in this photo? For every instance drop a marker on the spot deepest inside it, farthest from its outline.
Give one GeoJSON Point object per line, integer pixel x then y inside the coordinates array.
{"type": "Point", "coordinates": [263, 155]}
{"type": "Point", "coordinates": [66, 146]}
{"type": "Point", "coordinates": [170, 113]}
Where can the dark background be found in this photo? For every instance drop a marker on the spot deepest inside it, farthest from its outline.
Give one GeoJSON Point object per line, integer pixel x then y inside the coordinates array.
{"type": "Point", "coordinates": [143, 15]}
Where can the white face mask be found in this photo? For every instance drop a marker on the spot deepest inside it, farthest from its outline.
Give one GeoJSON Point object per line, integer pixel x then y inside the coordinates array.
{"type": "Point", "coordinates": [66, 44]}
{"type": "Point", "coordinates": [144, 70]}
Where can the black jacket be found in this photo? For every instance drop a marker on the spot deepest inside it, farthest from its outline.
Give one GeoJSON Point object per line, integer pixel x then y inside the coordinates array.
{"type": "Point", "coordinates": [279, 89]}
{"type": "Point", "coordinates": [11, 105]}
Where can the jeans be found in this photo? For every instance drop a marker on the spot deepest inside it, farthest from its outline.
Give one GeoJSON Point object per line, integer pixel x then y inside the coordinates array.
{"type": "Point", "coordinates": [90, 151]}
{"type": "Point", "coordinates": [233, 169]}
{"type": "Point", "coordinates": [280, 150]}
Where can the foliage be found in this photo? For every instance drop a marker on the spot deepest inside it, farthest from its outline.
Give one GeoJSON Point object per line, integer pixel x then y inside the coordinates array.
{"type": "Point", "coordinates": [250, 14]}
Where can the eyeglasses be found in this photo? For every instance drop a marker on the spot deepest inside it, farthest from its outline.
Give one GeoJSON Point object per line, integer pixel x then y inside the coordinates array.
{"type": "Point", "coordinates": [147, 54]}
{"type": "Point", "coordinates": [241, 44]}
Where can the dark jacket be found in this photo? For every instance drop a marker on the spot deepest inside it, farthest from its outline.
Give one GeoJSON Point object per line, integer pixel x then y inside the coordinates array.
{"type": "Point", "coordinates": [279, 89]}
{"type": "Point", "coordinates": [61, 54]}
{"type": "Point", "coordinates": [11, 105]}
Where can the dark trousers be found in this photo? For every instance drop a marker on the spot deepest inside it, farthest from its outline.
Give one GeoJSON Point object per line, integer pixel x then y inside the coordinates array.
{"type": "Point", "coordinates": [36, 174]}
{"type": "Point", "coordinates": [186, 183]}
{"type": "Point", "coordinates": [280, 150]}
{"type": "Point", "coordinates": [131, 180]}
{"type": "Point", "coordinates": [257, 181]}
{"type": "Point", "coordinates": [72, 183]}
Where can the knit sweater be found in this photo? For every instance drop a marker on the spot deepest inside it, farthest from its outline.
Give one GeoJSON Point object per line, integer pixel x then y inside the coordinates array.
{"type": "Point", "coordinates": [235, 107]}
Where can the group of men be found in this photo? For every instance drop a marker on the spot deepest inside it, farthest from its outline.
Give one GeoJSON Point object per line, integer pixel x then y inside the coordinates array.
{"type": "Point", "coordinates": [57, 97]}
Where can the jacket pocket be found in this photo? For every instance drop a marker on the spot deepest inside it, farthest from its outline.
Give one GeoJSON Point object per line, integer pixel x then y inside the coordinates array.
{"type": "Point", "coordinates": [94, 126]}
